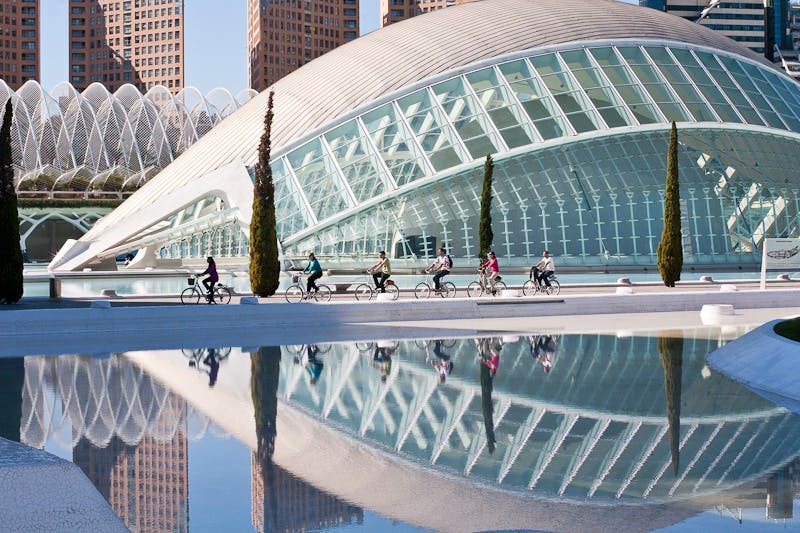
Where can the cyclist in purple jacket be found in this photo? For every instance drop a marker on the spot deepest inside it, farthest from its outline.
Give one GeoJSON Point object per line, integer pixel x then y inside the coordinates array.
{"type": "Point", "coordinates": [212, 278]}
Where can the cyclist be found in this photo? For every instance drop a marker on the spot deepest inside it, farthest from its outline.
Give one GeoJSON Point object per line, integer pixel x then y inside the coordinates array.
{"type": "Point", "coordinates": [491, 267]}
{"type": "Point", "coordinates": [315, 272]}
{"type": "Point", "coordinates": [212, 278]}
{"type": "Point", "coordinates": [381, 271]}
{"type": "Point", "coordinates": [441, 265]}
{"type": "Point", "coordinates": [544, 269]}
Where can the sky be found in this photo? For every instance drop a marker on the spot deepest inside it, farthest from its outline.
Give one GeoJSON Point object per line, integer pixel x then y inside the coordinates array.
{"type": "Point", "coordinates": [216, 46]}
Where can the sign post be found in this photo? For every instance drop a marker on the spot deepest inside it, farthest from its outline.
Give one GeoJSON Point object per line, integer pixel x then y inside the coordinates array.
{"type": "Point", "coordinates": [779, 254]}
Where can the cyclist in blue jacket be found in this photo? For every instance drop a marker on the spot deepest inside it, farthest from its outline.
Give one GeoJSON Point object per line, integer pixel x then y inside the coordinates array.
{"type": "Point", "coordinates": [314, 270]}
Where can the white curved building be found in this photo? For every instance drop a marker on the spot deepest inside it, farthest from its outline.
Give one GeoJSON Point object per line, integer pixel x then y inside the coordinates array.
{"type": "Point", "coordinates": [97, 143]}
{"type": "Point", "coordinates": [380, 144]}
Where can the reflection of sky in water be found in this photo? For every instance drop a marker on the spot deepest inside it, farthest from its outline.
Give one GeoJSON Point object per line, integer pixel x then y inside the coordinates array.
{"type": "Point", "coordinates": [580, 417]}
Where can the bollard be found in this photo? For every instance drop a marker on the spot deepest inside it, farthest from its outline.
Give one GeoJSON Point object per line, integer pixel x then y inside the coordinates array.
{"type": "Point", "coordinates": [55, 288]}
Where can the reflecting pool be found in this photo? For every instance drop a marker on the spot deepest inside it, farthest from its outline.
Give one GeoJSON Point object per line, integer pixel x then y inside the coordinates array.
{"type": "Point", "coordinates": [544, 432]}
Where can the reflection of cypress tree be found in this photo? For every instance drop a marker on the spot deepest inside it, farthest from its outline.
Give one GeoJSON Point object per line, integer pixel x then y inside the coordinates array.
{"type": "Point", "coordinates": [488, 409]}
{"type": "Point", "coordinates": [671, 350]}
{"type": "Point", "coordinates": [264, 375]}
{"type": "Point", "coordinates": [12, 378]}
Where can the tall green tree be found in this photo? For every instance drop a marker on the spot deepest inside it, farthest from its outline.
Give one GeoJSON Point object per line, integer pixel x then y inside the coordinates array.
{"type": "Point", "coordinates": [10, 251]}
{"type": "Point", "coordinates": [670, 248]}
{"type": "Point", "coordinates": [671, 351]}
{"type": "Point", "coordinates": [485, 234]}
{"type": "Point", "coordinates": [265, 366]}
{"type": "Point", "coordinates": [265, 266]}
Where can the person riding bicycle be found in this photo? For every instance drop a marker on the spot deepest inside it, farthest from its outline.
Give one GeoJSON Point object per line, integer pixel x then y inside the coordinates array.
{"type": "Point", "coordinates": [491, 270]}
{"type": "Point", "coordinates": [315, 272]}
{"type": "Point", "coordinates": [441, 266]}
{"type": "Point", "coordinates": [543, 270]}
{"type": "Point", "coordinates": [212, 278]}
{"type": "Point", "coordinates": [381, 271]}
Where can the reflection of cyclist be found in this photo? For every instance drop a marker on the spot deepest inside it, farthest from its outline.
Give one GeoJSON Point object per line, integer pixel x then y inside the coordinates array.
{"type": "Point", "coordinates": [315, 272]}
{"type": "Point", "coordinates": [442, 362]}
{"type": "Point", "coordinates": [212, 278]}
{"type": "Point", "coordinates": [212, 361]}
{"type": "Point", "coordinates": [381, 271]}
{"type": "Point", "coordinates": [312, 364]}
{"type": "Point", "coordinates": [490, 354]}
{"type": "Point", "coordinates": [491, 270]}
{"type": "Point", "coordinates": [543, 350]}
{"type": "Point", "coordinates": [441, 266]}
{"type": "Point", "coordinates": [382, 361]}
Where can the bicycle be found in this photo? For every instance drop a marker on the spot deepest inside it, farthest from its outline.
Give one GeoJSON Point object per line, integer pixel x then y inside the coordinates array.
{"type": "Point", "coordinates": [193, 293]}
{"type": "Point", "coordinates": [365, 291]}
{"type": "Point", "coordinates": [297, 293]}
{"type": "Point", "coordinates": [482, 286]}
{"type": "Point", "coordinates": [423, 289]}
{"type": "Point", "coordinates": [531, 288]}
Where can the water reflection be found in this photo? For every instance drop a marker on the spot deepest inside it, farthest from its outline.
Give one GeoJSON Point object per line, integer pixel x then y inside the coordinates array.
{"type": "Point", "coordinates": [590, 429]}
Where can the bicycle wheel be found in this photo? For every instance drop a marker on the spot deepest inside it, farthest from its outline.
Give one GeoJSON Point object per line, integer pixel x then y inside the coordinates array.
{"type": "Point", "coordinates": [323, 294]}
{"type": "Point", "coordinates": [499, 287]}
{"type": "Point", "coordinates": [393, 291]}
{"type": "Point", "coordinates": [363, 292]}
{"type": "Point", "coordinates": [421, 343]}
{"type": "Point", "coordinates": [449, 289]}
{"type": "Point", "coordinates": [222, 295]}
{"type": "Point", "coordinates": [324, 348]}
{"type": "Point", "coordinates": [294, 294]}
{"type": "Point", "coordinates": [474, 290]}
{"type": "Point", "coordinates": [190, 295]}
{"type": "Point", "coordinates": [555, 287]}
{"type": "Point", "coordinates": [529, 288]}
{"type": "Point", "coordinates": [422, 291]}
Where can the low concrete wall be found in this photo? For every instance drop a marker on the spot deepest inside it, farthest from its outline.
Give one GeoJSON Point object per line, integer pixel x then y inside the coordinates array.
{"type": "Point", "coordinates": [40, 492]}
{"type": "Point", "coordinates": [24, 332]}
{"type": "Point", "coordinates": [765, 362]}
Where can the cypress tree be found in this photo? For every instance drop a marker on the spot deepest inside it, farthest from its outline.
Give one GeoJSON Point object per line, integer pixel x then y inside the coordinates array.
{"type": "Point", "coordinates": [670, 248]}
{"type": "Point", "coordinates": [10, 251]}
{"type": "Point", "coordinates": [671, 351]}
{"type": "Point", "coordinates": [485, 225]}
{"type": "Point", "coordinates": [264, 263]}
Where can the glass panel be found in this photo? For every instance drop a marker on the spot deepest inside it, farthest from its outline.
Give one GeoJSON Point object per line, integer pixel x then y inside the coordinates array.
{"type": "Point", "coordinates": [289, 213]}
{"type": "Point", "coordinates": [731, 90]}
{"type": "Point", "coordinates": [681, 85]}
{"type": "Point", "coordinates": [790, 93]}
{"type": "Point", "coordinates": [395, 144]}
{"type": "Point", "coordinates": [506, 115]}
{"type": "Point", "coordinates": [535, 101]}
{"type": "Point", "coordinates": [463, 111]}
{"type": "Point", "coordinates": [627, 87]}
{"type": "Point", "coordinates": [572, 102]}
{"type": "Point", "coordinates": [764, 81]}
{"type": "Point", "coordinates": [706, 85]}
{"type": "Point", "coordinates": [359, 165]}
{"type": "Point", "coordinates": [431, 130]}
{"type": "Point", "coordinates": [651, 79]}
{"type": "Point", "coordinates": [735, 69]}
{"type": "Point", "coordinates": [318, 179]}
{"type": "Point", "coordinates": [597, 89]}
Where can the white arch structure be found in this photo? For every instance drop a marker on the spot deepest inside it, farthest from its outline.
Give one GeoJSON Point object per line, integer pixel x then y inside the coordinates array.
{"type": "Point", "coordinates": [65, 141]}
{"type": "Point", "coordinates": [380, 143]}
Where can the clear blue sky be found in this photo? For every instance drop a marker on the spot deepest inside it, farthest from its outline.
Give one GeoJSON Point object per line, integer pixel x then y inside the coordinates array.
{"type": "Point", "coordinates": [216, 47]}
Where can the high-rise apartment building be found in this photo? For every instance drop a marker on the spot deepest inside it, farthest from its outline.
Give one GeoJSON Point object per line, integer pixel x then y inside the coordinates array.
{"type": "Point", "coordinates": [741, 21]}
{"type": "Point", "coordinates": [284, 35]}
{"type": "Point", "coordinates": [115, 42]}
{"type": "Point", "coordinates": [20, 50]}
{"type": "Point", "coordinates": [396, 10]}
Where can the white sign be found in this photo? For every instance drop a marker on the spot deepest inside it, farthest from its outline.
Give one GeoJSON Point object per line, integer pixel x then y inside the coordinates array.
{"type": "Point", "coordinates": [779, 254]}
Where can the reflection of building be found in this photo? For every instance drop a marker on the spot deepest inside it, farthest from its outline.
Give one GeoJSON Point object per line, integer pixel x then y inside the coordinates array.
{"type": "Point", "coordinates": [128, 434]}
{"type": "Point", "coordinates": [293, 505]}
{"type": "Point", "coordinates": [115, 43]}
{"type": "Point", "coordinates": [147, 484]}
{"type": "Point", "coordinates": [284, 36]}
{"type": "Point", "coordinates": [20, 42]}
{"type": "Point", "coordinates": [576, 115]}
{"type": "Point", "coordinates": [396, 10]}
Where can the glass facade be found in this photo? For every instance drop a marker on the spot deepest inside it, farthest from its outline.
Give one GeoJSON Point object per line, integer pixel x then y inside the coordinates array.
{"type": "Point", "coordinates": [579, 138]}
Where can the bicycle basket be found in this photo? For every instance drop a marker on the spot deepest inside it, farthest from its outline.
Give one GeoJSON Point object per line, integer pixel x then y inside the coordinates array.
{"type": "Point", "coordinates": [190, 281]}
{"type": "Point", "coordinates": [295, 278]}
